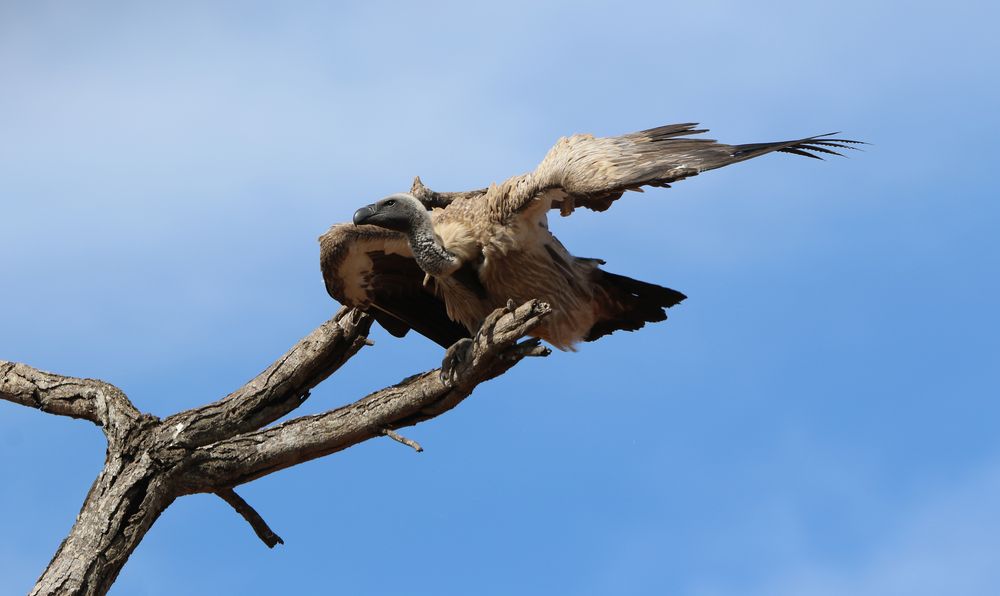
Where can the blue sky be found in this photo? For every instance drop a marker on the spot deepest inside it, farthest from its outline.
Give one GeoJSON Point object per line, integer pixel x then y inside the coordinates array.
{"type": "Point", "coordinates": [818, 418]}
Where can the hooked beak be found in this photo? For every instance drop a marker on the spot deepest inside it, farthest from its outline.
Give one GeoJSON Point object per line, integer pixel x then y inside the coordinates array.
{"type": "Point", "coordinates": [362, 215]}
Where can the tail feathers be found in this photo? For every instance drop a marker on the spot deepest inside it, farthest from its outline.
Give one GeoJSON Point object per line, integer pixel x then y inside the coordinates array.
{"type": "Point", "coordinates": [628, 304]}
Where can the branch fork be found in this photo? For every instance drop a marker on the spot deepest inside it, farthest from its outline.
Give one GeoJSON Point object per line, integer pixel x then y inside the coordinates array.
{"type": "Point", "coordinates": [215, 447]}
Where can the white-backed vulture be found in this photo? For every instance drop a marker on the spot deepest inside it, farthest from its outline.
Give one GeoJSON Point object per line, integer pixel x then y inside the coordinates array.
{"type": "Point", "coordinates": [439, 263]}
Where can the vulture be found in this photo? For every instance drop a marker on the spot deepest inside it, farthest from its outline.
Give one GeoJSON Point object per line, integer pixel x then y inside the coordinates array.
{"type": "Point", "coordinates": [439, 263]}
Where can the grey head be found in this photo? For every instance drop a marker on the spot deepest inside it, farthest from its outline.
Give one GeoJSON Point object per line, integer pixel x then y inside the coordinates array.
{"type": "Point", "coordinates": [404, 213]}
{"type": "Point", "coordinates": [401, 212]}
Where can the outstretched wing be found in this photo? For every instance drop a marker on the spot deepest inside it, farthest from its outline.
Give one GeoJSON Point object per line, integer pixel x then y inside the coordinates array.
{"type": "Point", "coordinates": [372, 268]}
{"type": "Point", "coordinates": [592, 172]}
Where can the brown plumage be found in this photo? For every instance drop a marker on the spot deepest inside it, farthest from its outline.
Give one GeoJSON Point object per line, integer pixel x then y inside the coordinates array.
{"type": "Point", "coordinates": [442, 271]}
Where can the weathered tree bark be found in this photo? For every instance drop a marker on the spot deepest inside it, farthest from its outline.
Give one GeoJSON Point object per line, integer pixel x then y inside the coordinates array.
{"type": "Point", "coordinates": [210, 449]}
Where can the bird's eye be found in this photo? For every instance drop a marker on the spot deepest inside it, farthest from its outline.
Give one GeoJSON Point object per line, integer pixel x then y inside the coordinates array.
{"type": "Point", "coordinates": [390, 203]}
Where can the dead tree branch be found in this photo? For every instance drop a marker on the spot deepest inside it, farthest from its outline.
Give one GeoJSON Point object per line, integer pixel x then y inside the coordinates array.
{"type": "Point", "coordinates": [249, 456]}
{"type": "Point", "coordinates": [212, 448]}
{"type": "Point", "coordinates": [278, 390]}
{"type": "Point", "coordinates": [260, 527]}
{"type": "Point", "coordinates": [395, 436]}
{"type": "Point", "coordinates": [101, 403]}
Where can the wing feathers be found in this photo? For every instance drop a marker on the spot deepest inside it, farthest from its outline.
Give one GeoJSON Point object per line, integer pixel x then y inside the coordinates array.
{"type": "Point", "coordinates": [373, 269]}
{"type": "Point", "coordinates": [593, 172]}
{"type": "Point", "coordinates": [817, 144]}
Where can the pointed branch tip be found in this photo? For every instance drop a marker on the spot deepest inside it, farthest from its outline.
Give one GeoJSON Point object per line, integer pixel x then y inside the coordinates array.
{"type": "Point", "coordinates": [401, 439]}
{"type": "Point", "coordinates": [260, 527]}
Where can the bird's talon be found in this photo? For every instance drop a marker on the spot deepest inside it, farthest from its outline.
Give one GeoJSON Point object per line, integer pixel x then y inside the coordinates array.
{"type": "Point", "coordinates": [454, 358]}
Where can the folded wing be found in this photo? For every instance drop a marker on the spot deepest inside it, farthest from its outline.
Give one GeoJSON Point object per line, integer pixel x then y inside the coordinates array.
{"type": "Point", "coordinates": [373, 269]}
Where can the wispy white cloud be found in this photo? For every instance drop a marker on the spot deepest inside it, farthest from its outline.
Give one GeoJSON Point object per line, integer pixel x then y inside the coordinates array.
{"type": "Point", "coordinates": [947, 542]}
{"type": "Point", "coordinates": [164, 170]}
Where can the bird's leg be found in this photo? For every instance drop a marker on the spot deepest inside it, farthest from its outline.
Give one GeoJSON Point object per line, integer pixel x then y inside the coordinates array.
{"type": "Point", "coordinates": [454, 357]}
{"type": "Point", "coordinates": [461, 350]}
{"type": "Point", "coordinates": [460, 354]}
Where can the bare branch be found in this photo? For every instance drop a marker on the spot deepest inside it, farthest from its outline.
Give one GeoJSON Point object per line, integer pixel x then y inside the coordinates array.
{"type": "Point", "coordinates": [152, 462]}
{"type": "Point", "coordinates": [102, 403]}
{"type": "Point", "coordinates": [247, 457]}
{"type": "Point", "coordinates": [278, 390]}
{"type": "Point", "coordinates": [395, 436]}
{"type": "Point", "coordinates": [260, 527]}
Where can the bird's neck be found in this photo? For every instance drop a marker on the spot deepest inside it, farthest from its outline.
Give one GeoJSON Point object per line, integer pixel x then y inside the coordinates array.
{"type": "Point", "coordinates": [432, 257]}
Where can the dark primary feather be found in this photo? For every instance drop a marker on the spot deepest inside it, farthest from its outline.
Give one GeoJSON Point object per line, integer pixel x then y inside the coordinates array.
{"type": "Point", "coordinates": [802, 147]}
{"type": "Point", "coordinates": [628, 304]}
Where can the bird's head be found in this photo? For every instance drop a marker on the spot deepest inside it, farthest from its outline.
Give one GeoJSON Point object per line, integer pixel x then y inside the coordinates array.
{"type": "Point", "coordinates": [400, 212]}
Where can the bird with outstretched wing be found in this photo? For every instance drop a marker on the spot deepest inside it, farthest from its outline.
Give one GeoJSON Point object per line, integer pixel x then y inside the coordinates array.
{"type": "Point", "coordinates": [439, 263]}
